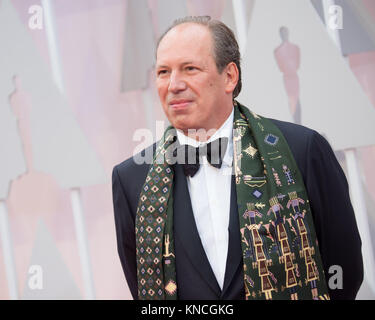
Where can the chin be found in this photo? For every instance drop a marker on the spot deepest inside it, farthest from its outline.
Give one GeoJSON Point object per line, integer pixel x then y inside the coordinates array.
{"type": "Point", "coordinates": [182, 124]}
{"type": "Point", "coordinates": [181, 127]}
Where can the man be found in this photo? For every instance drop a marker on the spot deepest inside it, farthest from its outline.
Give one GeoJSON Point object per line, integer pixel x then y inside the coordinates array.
{"type": "Point", "coordinates": [272, 230]}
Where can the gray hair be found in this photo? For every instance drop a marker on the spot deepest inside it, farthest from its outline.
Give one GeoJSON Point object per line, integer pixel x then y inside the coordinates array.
{"type": "Point", "coordinates": [226, 48]}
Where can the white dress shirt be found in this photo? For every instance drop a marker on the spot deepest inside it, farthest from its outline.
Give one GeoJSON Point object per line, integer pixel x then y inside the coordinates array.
{"type": "Point", "coordinates": [210, 191]}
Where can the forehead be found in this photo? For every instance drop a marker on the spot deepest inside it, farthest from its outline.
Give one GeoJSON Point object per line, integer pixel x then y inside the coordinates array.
{"type": "Point", "coordinates": [186, 41]}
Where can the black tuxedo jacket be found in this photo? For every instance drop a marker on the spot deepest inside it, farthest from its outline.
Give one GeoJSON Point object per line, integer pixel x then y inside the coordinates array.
{"type": "Point", "coordinates": [327, 188]}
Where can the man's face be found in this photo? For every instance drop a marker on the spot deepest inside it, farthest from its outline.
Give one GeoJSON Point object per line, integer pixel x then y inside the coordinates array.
{"type": "Point", "coordinates": [192, 92]}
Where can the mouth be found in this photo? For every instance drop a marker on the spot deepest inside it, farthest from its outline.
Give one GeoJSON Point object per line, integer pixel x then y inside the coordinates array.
{"type": "Point", "coordinates": [179, 104]}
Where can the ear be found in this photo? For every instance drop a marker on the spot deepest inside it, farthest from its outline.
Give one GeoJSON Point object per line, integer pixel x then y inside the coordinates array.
{"type": "Point", "coordinates": [231, 77]}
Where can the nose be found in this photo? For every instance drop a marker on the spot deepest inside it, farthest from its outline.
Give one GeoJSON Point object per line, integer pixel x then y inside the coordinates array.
{"type": "Point", "coordinates": [176, 83]}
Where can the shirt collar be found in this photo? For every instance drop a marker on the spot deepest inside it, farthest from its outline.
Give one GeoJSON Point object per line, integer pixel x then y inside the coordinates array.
{"type": "Point", "coordinates": [226, 130]}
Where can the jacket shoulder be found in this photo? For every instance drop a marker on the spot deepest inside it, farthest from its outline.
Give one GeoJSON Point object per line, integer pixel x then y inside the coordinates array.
{"type": "Point", "coordinates": [298, 137]}
{"type": "Point", "coordinates": [132, 172]}
{"type": "Point", "coordinates": [139, 161]}
{"type": "Point", "coordinates": [294, 133]}
{"type": "Point", "coordinates": [303, 142]}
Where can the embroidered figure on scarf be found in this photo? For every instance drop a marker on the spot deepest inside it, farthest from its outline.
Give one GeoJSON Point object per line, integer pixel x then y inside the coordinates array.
{"type": "Point", "coordinates": [276, 158]}
{"type": "Point", "coordinates": [248, 281]}
{"type": "Point", "coordinates": [166, 246]}
{"type": "Point", "coordinates": [171, 287]}
{"type": "Point", "coordinates": [288, 175]}
{"type": "Point", "coordinates": [254, 181]}
{"type": "Point", "coordinates": [237, 154]}
{"type": "Point", "coordinates": [286, 256]}
{"type": "Point", "coordinates": [255, 244]}
{"type": "Point", "coordinates": [257, 193]}
{"type": "Point", "coordinates": [251, 151]}
{"type": "Point", "coordinates": [271, 139]}
{"type": "Point", "coordinates": [274, 154]}
{"type": "Point", "coordinates": [305, 249]}
{"type": "Point", "coordinates": [277, 179]}
{"type": "Point", "coordinates": [260, 205]}
{"type": "Point", "coordinates": [260, 126]}
{"type": "Point", "coordinates": [281, 196]}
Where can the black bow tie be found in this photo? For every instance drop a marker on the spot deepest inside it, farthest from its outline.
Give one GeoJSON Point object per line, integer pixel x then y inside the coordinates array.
{"type": "Point", "coordinates": [214, 151]}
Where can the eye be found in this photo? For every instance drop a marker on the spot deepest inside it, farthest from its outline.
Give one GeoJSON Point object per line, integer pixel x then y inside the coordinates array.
{"type": "Point", "coordinates": [191, 68]}
{"type": "Point", "coordinates": [162, 72]}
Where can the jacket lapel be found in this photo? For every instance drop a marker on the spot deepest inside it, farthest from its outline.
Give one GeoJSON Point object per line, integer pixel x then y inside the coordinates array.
{"type": "Point", "coordinates": [186, 230]}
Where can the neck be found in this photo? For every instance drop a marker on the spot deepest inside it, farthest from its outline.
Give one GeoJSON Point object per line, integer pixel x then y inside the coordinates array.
{"type": "Point", "coordinates": [201, 135]}
{"type": "Point", "coordinates": [204, 134]}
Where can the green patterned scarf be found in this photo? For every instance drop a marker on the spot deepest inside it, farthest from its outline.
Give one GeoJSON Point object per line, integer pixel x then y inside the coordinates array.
{"type": "Point", "coordinates": [281, 258]}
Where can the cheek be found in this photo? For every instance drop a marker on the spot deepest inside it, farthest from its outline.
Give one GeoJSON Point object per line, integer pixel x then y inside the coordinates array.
{"type": "Point", "coordinates": [162, 92]}
{"type": "Point", "coordinates": [162, 89]}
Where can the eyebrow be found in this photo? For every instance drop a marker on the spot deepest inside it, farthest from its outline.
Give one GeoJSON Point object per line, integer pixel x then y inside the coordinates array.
{"type": "Point", "coordinates": [183, 64]}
